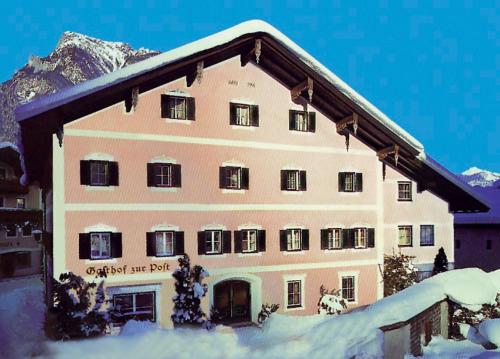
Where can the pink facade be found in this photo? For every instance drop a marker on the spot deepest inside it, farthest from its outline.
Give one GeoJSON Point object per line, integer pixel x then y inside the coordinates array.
{"type": "Point", "coordinates": [201, 147]}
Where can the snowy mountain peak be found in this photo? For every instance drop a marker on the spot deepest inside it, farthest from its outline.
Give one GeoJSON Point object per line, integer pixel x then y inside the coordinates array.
{"type": "Point", "coordinates": [477, 177]}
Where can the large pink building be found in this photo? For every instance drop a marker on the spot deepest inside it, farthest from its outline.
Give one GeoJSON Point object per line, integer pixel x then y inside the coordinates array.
{"type": "Point", "coordinates": [244, 152]}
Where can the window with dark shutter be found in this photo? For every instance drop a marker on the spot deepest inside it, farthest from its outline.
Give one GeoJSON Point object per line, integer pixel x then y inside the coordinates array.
{"type": "Point", "coordinates": [99, 173]}
{"type": "Point", "coordinates": [116, 245]}
{"type": "Point", "coordinates": [178, 107]}
{"type": "Point", "coordinates": [246, 241]}
{"type": "Point", "coordinates": [296, 239]}
{"type": "Point", "coordinates": [350, 182]}
{"type": "Point", "coordinates": [293, 180]}
{"type": "Point", "coordinates": [150, 244]}
{"type": "Point", "coordinates": [331, 238]}
{"type": "Point", "coordinates": [233, 177]}
{"type": "Point", "coordinates": [164, 175]}
{"type": "Point", "coordinates": [243, 115]}
{"type": "Point", "coordinates": [302, 121]}
{"type": "Point", "coordinates": [347, 238]}
{"type": "Point", "coordinates": [214, 242]}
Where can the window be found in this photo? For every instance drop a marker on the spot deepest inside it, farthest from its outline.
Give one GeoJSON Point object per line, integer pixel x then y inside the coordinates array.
{"type": "Point", "coordinates": [350, 182]}
{"type": "Point", "coordinates": [11, 230]}
{"type": "Point", "coordinates": [137, 306]}
{"type": "Point", "coordinates": [165, 243]}
{"type": "Point", "coordinates": [293, 180]}
{"type": "Point", "coordinates": [334, 238]}
{"type": "Point", "coordinates": [164, 175]}
{"type": "Point", "coordinates": [302, 121]}
{"type": "Point", "coordinates": [213, 243]}
{"type": "Point", "coordinates": [405, 236]}
{"type": "Point", "coordinates": [98, 173]}
{"type": "Point", "coordinates": [20, 202]}
{"type": "Point", "coordinates": [348, 288]}
{"type": "Point", "coordinates": [360, 235]}
{"type": "Point", "coordinates": [233, 177]}
{"type": "Point", "coordinates": [404, 191]}
{"type": "Point", "coordinates": [100, 245]}
{"type": "Point", "coordinates": [178, 107]}
{"type": "Point", "coordinates": [293, 240]}
{"type": "Point", "coordinates": [488, 244]}
{"type": "Point", "coordinates": [26, 230]}
{"type": "Point", "coordinates": [248, 240]}
{"type": "Point", "coordinates": [244, 115]}
{"type": "Point", "coordinates": [294, 294]}
{"type": "Point", "coordinates": [427, 235]}
{"type": "Point", "coordinates": [3, 173]}
{"type": "Point", "coordinates": [23, 260]}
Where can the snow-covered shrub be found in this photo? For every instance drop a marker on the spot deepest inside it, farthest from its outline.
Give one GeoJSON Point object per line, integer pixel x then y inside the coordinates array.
{"type": "Point", "coordinates": [331, 302]}
{"type": "Point", "coordinates": [79, 309]}
{"type": "Point", "coordinates": [399, 273]}
{"type": "Point", "coordinates": [463, 315]}
{"type": "Point", "coordinates": [190, 290]}
{"type": "Point", "coordinates": [440, 262]}
{"type": "Point", "coordinates": [266, 311]}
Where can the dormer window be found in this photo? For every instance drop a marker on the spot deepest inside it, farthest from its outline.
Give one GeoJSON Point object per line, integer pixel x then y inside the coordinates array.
{"type": "Point", "coordinates": [177, 107]}
{"type": "Point", "coordinates": [302, 121]}
{"type": "Point", "coordinates": [244, 115]}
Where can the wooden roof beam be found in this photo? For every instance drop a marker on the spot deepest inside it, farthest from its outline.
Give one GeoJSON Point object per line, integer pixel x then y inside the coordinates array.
{"type": "Point", "coordinates": [195, 74]}
{"type": "Point", "coordinates": [383, 153]}
{"type": "Point", "coordinates": [349, 120]}
{"type": "Point", "coordinates": [307, 84]}
{"type": "Point", "coordinates": [256, 51]}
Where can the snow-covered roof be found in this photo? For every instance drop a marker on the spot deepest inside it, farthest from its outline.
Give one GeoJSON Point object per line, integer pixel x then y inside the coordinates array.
{"type": "Point", "coordinates": [6, 144]}
{"type": "Point", "coordinates": [46, 103]}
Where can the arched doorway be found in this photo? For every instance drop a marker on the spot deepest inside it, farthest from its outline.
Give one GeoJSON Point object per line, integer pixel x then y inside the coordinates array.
{"type": "Point", "coordinates": [232, 301]}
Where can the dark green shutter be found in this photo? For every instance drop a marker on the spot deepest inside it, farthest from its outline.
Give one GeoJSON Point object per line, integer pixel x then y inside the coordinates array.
{"type": "Point", "coordinates": [201, 242]}
{"type": "Point", "coordinates": [245, 178]}
{"type": "Point", "coordinates": [113, 173]}
{"type": "Point", "coordinates": [261, 240]}
{"type": "Point", "coordinates": [165, 102]}
{"type": "Point", "coordinates": [291, 120]}
{"type": "Point", "coordinates": [151, 174]}
{"type": "Point", "coordinates": [341, 181]}
{"type": "Point", "coordinates": [222, 177]}
{"type": "Point", "coordinates": [283, 179]}
{"type": "Point", "coordinates": [176, 175]}
{"type": "Point", "coordinates": [226, 241]}
{"type": "Point", "coordinates": [254, 115]}
{"type": "Point", "coordinates": [116, 245]}
{"type": "Point", "coordinates": [311, 117]}
{"type": "Point", "coordinates": [305, 239]}
{"type": "Point", "coordinates": [84, 245]}
{"type": "Point", "coordinates": [85, 172]}
{"type": "Point", "coordinates": [358, 177]}
{"type": "Point", "coordinates": [324, 239]}
{"type": "Point", "coordinates": [179, 243]}
{"type": "Point", "coordinates": [347, 238]}
{"type": "Point", "coordinates": [283, 244]}
{"type": "Point", "coordinates": [237, 241]}
{"type": "Point", "coordinates": [302, 181]}
{"type": "Point", "coordinates": [232, 113]}
{"type": "Point", "coordinates": [371, 238]}
{"type": "Point", "coordinates": [150, 244]}
{"type": "Point", "coordinates": [190, 109]}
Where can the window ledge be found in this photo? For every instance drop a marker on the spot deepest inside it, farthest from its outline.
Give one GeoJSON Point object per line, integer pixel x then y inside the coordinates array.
{"type": "Point", "coordinates": [349, 193]}
{"type": "Point", "coordinates": [165, 258]}
{"type": "Point", "coordinates": [99, 188]}
{"type": "Point", "coordinates": [293, 193]}
{"type": "Point", "coordinates": [164, 189]}
{"type": "Point", "coordinates": [294, 309]}
{"type": "Point", "coordinates": [332, 251]}
{"type": "Point", "coordinates": [214, 255]}
{"type": "Point", "coordinates": [292, 253]}
{"type": "Point", "coordinates": [250, 254]}
{"type": "Point", "coordinates": [235, 191]}
{"type": "Point", "coordinates": [405, 245]}
{"type": "Point", "coordinates": [94, 261]}
{"type": "Point", "coordinates": [351, 303]}
{"type": "Point", "coordinates": [405, 200]}
{"type": "Point", "coordinates": [243, 127]}
{"type": "Point", "coordinates": [307, 133]}
{"type": "Point", "coordinates": [427, 245]}
{"type": "Point", "coordinates": [176, 120]}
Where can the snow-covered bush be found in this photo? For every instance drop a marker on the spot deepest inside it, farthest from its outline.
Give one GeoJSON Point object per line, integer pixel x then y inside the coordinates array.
{"type": "Point", "coordinates": [440, 262]}
{"type": "Point", "coordinates": [463, 315]}
{"type": "Point", "coordinates": [331, 302]}
{"type": "Point", "coordinates": [79, 309]}
{"type": "Point", "coordinates": [266, 311]}
{"type": "Point", "coordinates": [190, 290]}
{"type": "Point", "coordinates": [399, 273]}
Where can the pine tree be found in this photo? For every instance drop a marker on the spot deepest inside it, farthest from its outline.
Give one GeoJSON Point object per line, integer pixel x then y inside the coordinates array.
{"type": "Point", "coordinates": [190, 290]}
{"type": "Point", "coordinates": [440, 262]}
{"type": "Point", "coordinates": [399, 273]}
{"type": "Point", "coordinates": [78, 309]}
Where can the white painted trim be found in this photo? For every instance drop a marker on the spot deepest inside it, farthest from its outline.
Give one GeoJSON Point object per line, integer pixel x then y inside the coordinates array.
{"type": "Point", "coordinates": [244, 128]}
{"type": "Point", "coordinates": [163, 159]}
{"type": "Point", "coordinates": [294, 253]}
{"type": "Point", "coordinates": [213, 227]}
{"type": "Point", "coordinates": [249, 226]}
{"type": "Point", "coordinates": [355, 274]}
{"type": "Point", "coordinates": [292, 193]}
{"type": "Point", "coordinates": [242, 101]}
{"type": "Point", "coordinates": [292, 167]}
{"type": "Point", "coordinates": [99, 188]}
{"type": "Point", "coordinates": [294, 277]}
{"type": "Point", "coordinates": [178, 93]}
{"type": "Point", "coordinates": [212, 141]}
{"type": "Point", "coordinates": [215, 256]}
{"type": "Point", "coordinates": [294, 226]}
{"type": "Point", "coordinates": [100, 227]}
{"type": "Point", "coordinates": [177, 121]}
{"type": "Point", "coordinates": [165, 258]}
{"type": "Point", "coordinates": [255, 290]}
{"type": "Point", "coordinates": [232, 191]}
{"type": "Point", "coordinates": [100, 261]}
{"type": "Point", "coordinates": [138, 289]}
{"type": "Point", "coordinates": [194, 207]}
{"type": "Point", "coordinates": [233, 163]}
{"type": "Point", "coordinates": [98, 156]}
{"type": "Point", "coordinates": [334, 225]}
{"type": "Point", "coordinates": [58, 209]}
{"type": "Point", "coordinates": [249, 254]}
{"type": "Point", "coordinates": [164, 227]}
{"type": "Point", "coordinates": [164, 189]}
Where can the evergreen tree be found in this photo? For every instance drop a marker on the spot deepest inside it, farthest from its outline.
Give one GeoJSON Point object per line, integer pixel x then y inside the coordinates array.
{"type": "Point", "coordinates": [440, 262]}
{"type": "Point", "coordinates": [190, 290]}
{"type": "Point", "coordinates": [78, 309]}
{"type": "Point", "coordinates": [399, 273]}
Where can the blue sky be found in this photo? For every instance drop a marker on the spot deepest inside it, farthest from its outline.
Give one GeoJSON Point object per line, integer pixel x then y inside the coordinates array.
{"type": "Point", "coordinates": [432, 66]}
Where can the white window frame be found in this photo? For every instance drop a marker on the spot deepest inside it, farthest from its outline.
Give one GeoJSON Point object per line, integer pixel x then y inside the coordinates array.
{"type": "Point", "coordinates": [294, 278]}
{"type": "Point", "coordinates": [352, 178]}
{"type": "Point", "coordinates": [101, 237]}
{"type": "Point", "coordinates": [241, 118]}
{"type": "Point", "coordinates": [292, 241]}
{"type": "Point", "coordinates": [355, 275]}
{"type": "Point", "coordinates": [228, 174]}
{"type": "Point", "coordinates": [334, 238]}
{"type": "Point", "coordinates": [422, 226]}
{"type": "Point", "coordinates": [247, 233]}
{"type": "Point", "coordinates": [293, 177]}
{"type": "Point", "coordinates": [175, 112]}
{"type": "Point", "coordinates": [360, 234]}
{"type": "Point", "coordinates": [405, 194]}
{"type": "Point", "coordinates": [349, 289]}
{"type": "Point", "coordinates": [165, 174]}
{"type": "Point", "coordinates": [98, 181]}
{"type": "Point", "coordinates": [212, 241]}
{"type": "Point", "coordinates": [166, 236]}
{"type": "Point", "coordinates": [24, 202]}
{"type": "Point", "coordinates": [301, 121]}
{"type": "Point", "coordinates": [405, 227]}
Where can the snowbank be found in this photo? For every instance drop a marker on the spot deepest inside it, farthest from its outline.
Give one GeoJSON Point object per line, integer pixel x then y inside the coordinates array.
{"type": "Point", "coordinates": [490, 329]}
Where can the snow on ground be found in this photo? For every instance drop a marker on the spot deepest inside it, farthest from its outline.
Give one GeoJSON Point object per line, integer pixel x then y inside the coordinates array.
{"type": "Point", "coordinates": [310, 337]}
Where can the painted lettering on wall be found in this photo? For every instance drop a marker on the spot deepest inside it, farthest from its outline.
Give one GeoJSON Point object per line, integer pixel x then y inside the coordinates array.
{"type": "Point", "coordinates": [125, 269]}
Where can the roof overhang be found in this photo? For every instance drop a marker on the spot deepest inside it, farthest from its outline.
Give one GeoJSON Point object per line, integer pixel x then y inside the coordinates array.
{"type": "Point", "coordinates": [278, 56]}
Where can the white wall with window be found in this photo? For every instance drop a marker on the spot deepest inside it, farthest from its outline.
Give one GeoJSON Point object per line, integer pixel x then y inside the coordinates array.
{"type": "Point", "coordinates": [427, 235]}
{"type": "Point", "coordinates": [294, 292]}
{"type": "Point", "coordinates": [405, 235]}
{"type": "Point", "coordinates": [348, 284]}
{"type": "Point", "coordinates": [404, 191]}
